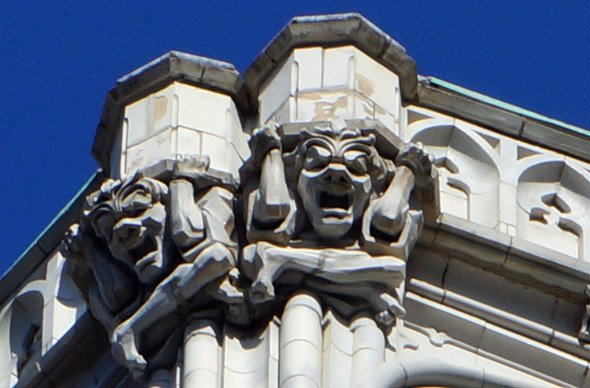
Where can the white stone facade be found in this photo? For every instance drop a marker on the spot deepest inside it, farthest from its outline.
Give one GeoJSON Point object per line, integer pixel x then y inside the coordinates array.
{"type": "Point", "coordinates": [494, 292]}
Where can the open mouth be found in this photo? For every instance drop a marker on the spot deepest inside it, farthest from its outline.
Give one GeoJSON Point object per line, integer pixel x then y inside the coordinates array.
{"type": "Point", "coordinates": [144, 253]}
{"type": "Point", "coordinates": [334, 201]}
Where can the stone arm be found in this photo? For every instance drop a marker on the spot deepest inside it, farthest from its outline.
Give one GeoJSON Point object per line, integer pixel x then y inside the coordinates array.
{"type": "Point", "coordinates": [388, 213]}
{"type": "Point", "coordinates": [209, 252]}
{"type": "Point", "coordinates": [270, 205]}
{"type": "Point", "coordinates": [174, 292]}
{"type": "Point", "coordinates": [186, 218]}
{"type": "Point", "coordinates": [115, 289]}
{"type": "Point", "coordinates": [334, 272]}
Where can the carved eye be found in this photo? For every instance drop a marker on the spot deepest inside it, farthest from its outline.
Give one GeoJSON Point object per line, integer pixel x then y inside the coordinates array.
{"type": "Point", "coordinates": [136, 202]}
{"type": "Point", "coordinates": [357, 161]}
{"type": "Point", "coordinates": [317, 158]}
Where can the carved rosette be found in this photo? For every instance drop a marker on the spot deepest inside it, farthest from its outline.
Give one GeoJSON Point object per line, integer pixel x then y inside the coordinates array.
{"type": "Point", "coordinates": [325, 211]}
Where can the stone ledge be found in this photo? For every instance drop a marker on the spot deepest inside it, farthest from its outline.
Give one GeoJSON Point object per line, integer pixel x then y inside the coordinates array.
{"type": "Point", "coordinates": [514, 124]}
{"type": "Point", "coordinates": [527, 262]}
{"type": "Point", "coordinates": [330, 31]}
{"type": "Point", "coordinates": [173, 66]}
{"type": "Point", "coordinates": [493, 342]}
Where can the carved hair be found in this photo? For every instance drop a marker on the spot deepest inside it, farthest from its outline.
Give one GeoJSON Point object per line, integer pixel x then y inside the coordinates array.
{"type": "Point", "coordinates": [115, 198]}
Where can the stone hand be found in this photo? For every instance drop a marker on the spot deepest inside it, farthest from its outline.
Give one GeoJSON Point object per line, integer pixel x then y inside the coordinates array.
{"type": "Point", "coordinates": [125, 352]}
{"type": "Point", "coordinates": [415, 157]}
{"type": "Point", "coordinates": [190, 167]}
{"type": "Point", "coordinates": [264, 140]}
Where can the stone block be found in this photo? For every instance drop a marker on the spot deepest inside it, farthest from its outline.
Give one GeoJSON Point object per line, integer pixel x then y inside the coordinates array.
{"type": "Point", "coordinates": [284, 113]}
{"type": "Point", "coordinates": [348, 67]}
{"type": "Point", "coordinates": [387, 119]}
{"type": "Point", "coordinates": [202, 109]}
{"type": "Point", "coordinates": [324, 106]}
{"type": "Point", "coordinates": [457, 325]}
{"type": "Point", "coordinates": [532, 354]}
{"type": "Point", "coordinates": [507, 204]}
{"type": "Point", "coordinates": [308, 62]}
{"type": "Point", "coordinates": [567, 316]}
{"type": "Point", "coordinates": [188, 142]}
{"type": "Point", "coordinates": [475, 232]}
{"type": "Point", "coordinates": [338, 70]}
{"type": "Point", "coordinates": [149, 151]}
{"type": "Point", "coordinates": [551, 280]}
{"type": "Point", "coordinates": [378, 83]}
{"type": "Point", "coordinates": [191, 121]}
{"type": "Point", "coordinates": [464, 248]}
{"type": "Point", "coordinates": [117, 158]}
{"type": "Point", "coordinates": [570, 142]}
{"type": "Point", "coordinates": [499, 292]}
{"type": "Point", "coordinates": [149, 116]}
{"type": "Point", "coordinates": [529, 258]}
{"type": "Point", "coordinates": [425, 289]}
{"type": "Point", "coordinates": [454, 204]}
{"type": "Point", "coordinates": [340, 81]}
{"type": "Point", "coordinates": [570, 344]}
{"type": "Point", "coordinates": [435, 97]}
{"type": "Point", "coordinates": [276, 90]}
{"type": "Point", "coordinates": [427, 266]}
{"type": "Point", "coordinates": [217, 151]}
{"type": "Point", "coordinates": [499, 316]}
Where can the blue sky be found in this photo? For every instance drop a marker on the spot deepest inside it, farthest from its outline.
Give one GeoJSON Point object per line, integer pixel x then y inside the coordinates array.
{"type": "Point", "coordinates": [58, 60]}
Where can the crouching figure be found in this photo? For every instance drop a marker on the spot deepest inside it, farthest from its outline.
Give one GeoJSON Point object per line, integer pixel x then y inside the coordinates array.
{"type": "Point", "coordinates": [156, 250]}
{"type": "Point", "coordinates": [329, 213]}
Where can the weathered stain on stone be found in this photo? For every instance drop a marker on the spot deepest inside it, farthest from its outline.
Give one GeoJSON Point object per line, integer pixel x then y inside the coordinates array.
{"type": "Point", "coordinates": [379, 110]}
{"type": "Point", "coordinates": [364, 85]}
{"type": "Point", "coordinates": [325, 110]}
{"type": "Point", "coordinates": [368, 108]}
{"type": "Point", "coordinates": [160, 107]}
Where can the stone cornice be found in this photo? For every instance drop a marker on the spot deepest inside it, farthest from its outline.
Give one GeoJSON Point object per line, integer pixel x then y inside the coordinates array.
{"type": "Point", "coordinates": [173, 66]}
{"type": "Point", "coordinates": [503, 118]}
{"type": "Point", "coordinates": [329, 31]}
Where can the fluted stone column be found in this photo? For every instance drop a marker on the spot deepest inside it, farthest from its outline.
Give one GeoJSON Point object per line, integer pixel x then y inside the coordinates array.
{"type": "Point", "coordinates": [368, 348]}
{"type": "Point", "coordinates": [301, 343]}
{"type": "Point", "coordinates": [202, 355]}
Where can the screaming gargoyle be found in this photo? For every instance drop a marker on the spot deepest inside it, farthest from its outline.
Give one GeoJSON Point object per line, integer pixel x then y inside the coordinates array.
{"type": "Point", "coordinates": [332, 215]}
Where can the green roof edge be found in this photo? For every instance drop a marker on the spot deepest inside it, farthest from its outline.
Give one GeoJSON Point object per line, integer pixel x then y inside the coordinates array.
{"type": "Point", "coordinates": [504, 105]}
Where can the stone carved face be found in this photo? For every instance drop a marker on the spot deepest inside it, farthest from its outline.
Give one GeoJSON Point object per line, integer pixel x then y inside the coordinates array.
{"type": "Point", "coordinates": [335, 182]}
{"type": "Point", "coordinates": [131, 218]}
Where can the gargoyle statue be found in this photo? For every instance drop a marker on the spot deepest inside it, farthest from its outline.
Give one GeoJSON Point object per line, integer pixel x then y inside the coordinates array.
{"type": "Point", "coordinates": [157, 252]}
{"type": "Point", "coordinates": [332, 215]}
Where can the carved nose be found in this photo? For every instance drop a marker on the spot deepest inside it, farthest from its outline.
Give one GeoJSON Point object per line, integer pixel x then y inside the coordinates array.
{"type": "Point", "coordinates": [337, 174]}
{"type": "Point", "coordinates": [126, 230]}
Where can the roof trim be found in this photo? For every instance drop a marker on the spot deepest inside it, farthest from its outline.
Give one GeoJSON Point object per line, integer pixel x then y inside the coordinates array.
{"type": "Point", "coordinates": [329, 31]}
{"type": "Point", "coordinates": [173, 66]}
{"type": "Point", "coordinates": [502, 117]}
